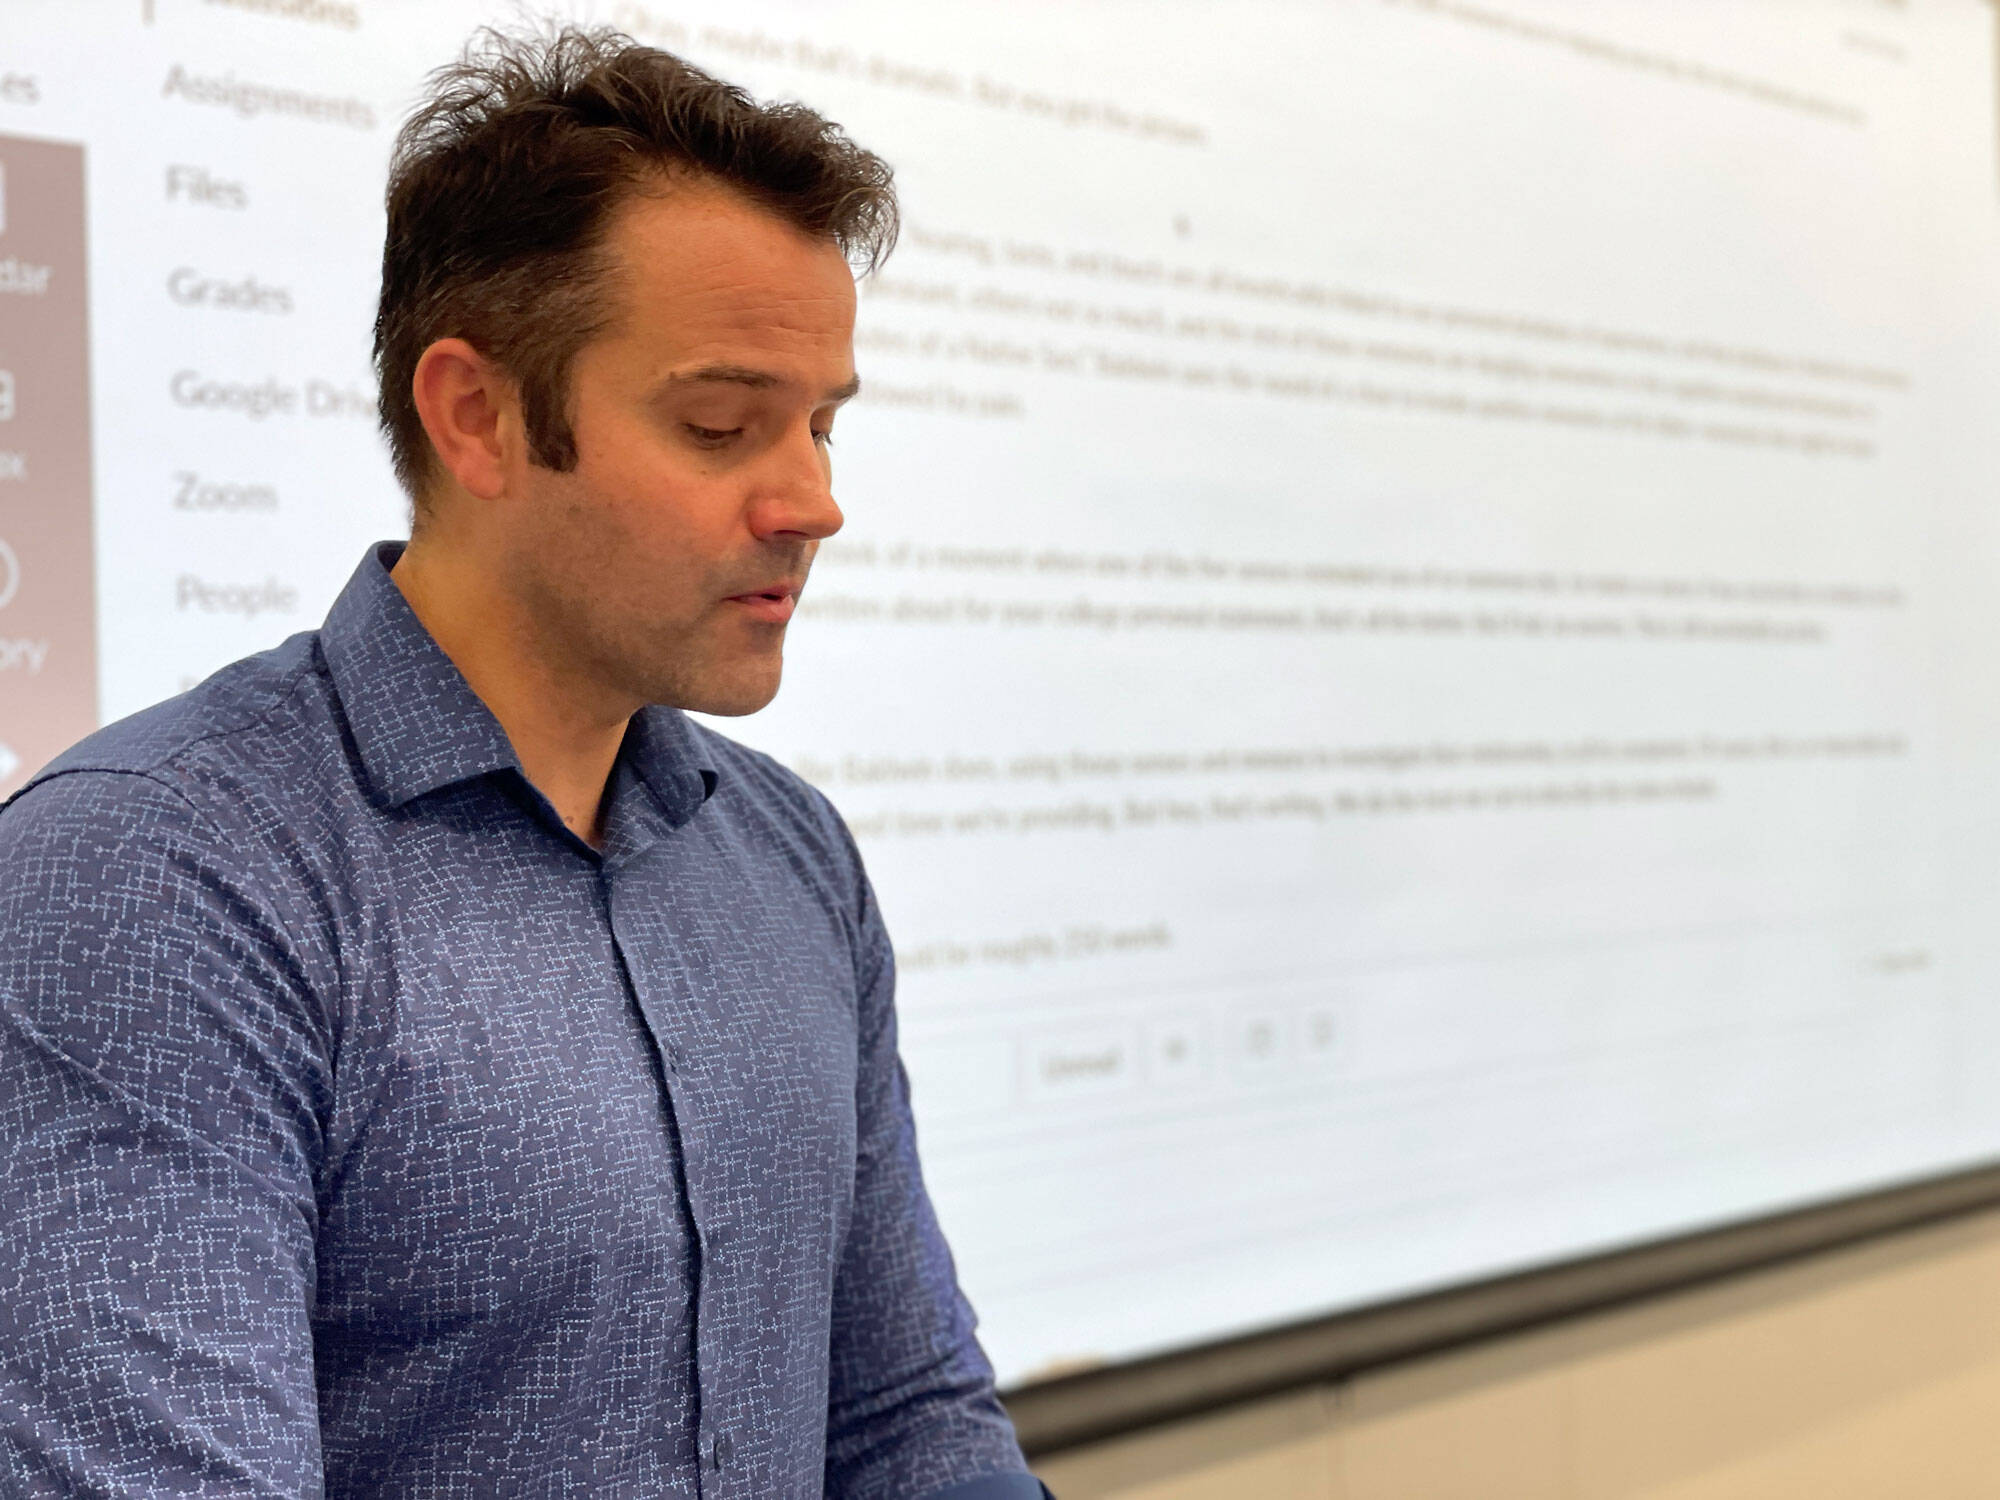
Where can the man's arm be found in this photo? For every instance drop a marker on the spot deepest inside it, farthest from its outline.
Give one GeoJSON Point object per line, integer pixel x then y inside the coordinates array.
{"type": "Point", "coordinates": [163, 1076]}
{"type": "Point", "coordinates": [912, 1411]}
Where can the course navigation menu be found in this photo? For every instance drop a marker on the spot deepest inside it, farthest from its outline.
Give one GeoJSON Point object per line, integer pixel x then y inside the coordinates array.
{"type": "Point", "coordinates": [48, 615]}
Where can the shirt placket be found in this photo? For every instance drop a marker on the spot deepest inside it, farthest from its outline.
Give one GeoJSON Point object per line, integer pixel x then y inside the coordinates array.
{"type": "Point", "coordinates": [660, 989]}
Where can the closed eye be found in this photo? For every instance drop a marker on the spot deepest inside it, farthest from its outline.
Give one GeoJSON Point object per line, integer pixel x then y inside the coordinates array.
{"type": "Point", "coordinates": [713, 437]}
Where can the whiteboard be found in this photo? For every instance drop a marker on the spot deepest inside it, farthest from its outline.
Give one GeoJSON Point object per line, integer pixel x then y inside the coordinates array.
{"type": "Point", "coordinates": [1413, 655]}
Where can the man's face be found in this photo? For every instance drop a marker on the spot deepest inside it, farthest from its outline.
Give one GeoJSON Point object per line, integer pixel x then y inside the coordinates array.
{"type": "Point", "coordinates": [664, 566]}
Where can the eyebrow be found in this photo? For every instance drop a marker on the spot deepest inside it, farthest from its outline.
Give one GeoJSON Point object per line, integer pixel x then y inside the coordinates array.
{"type": "Point", "coordinates": [756, 380]}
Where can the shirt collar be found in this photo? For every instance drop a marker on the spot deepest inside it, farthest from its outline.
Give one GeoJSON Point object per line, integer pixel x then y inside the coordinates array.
{"type": "Point", "coordinates": [419, 726]}
{"type": "Point", "coordinates": [672, 758]}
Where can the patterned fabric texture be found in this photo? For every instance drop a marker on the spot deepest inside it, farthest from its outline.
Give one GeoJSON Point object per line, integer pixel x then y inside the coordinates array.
{"type": "Point", "coordinates": [364, 1132]}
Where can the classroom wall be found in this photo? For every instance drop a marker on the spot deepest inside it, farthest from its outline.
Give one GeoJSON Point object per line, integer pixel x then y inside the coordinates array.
{"type": "Point", "coordinates": [1871, 1371]}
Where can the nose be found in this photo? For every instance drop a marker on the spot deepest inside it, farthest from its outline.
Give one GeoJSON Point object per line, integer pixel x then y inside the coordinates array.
{"type": "Point", "coordinates": [795, 496]}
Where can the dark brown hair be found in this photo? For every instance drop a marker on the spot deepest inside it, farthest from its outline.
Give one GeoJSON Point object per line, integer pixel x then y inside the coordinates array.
{"type": "Point", "coordinates": [504, 181]}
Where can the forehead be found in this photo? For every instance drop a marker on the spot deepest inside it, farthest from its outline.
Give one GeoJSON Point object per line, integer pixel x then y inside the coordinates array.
{"type": "Point", "coordinates": [704, 273]}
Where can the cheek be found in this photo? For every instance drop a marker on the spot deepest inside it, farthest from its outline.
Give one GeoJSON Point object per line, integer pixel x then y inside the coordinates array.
{"type": "Point", "coordinates": [650, 505]}
{"type": "Point", "coordinates": [654, 519]}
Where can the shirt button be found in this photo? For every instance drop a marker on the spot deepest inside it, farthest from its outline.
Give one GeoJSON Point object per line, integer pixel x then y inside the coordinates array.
{"type": "Point", "coordinates": [721, 1451]}
{"type": "Point", "coordinates": [676, 1058]}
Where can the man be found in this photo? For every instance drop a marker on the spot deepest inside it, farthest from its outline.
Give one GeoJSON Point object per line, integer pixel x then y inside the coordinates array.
{"type": "Point", "coordinates": [430, 1064]}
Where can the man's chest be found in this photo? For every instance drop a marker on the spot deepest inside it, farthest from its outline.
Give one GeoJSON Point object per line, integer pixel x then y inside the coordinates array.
{"type": "Point", "coordinates": [562, 1089]}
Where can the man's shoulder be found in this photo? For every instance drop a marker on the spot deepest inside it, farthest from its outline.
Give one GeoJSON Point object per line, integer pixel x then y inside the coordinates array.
{"type": "Point", "coordinates": [243, 727]}
{"type": "Point", "coordinates": [755, 769]}
{"type": "Point", "coordinates": [757, 774]}
{"type": "Point", "coordinates": [791, 826]}
{"type": "Point", "coordinates": [758, 787]}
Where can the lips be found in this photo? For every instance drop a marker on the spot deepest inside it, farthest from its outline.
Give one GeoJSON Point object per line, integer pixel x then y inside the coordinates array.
{"type": "Point", "coordinates": [772, 605]}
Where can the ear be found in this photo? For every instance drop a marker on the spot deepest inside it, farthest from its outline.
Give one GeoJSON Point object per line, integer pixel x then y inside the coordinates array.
{"type": "Point", "coordinates": [471, 413]}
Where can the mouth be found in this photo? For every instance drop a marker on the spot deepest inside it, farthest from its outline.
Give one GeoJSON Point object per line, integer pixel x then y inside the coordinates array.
{"type": "Point", "coordinates": [770, 606]}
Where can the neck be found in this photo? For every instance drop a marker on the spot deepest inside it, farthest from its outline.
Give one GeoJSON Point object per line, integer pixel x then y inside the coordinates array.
{"type": "Point", "coordinates": [566, 732]}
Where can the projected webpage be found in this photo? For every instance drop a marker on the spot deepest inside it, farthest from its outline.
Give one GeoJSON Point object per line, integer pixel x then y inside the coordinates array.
{"type": "Point", "coordinates": [1413, 651]}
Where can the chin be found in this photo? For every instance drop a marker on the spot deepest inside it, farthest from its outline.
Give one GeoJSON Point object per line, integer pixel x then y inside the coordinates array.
{"type": "Point", "coordinates": [727, 697]}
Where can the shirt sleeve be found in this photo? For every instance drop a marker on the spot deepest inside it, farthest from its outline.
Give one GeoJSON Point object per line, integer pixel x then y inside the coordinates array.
{"type": "Point", "coordinates": [163, 1079]}
{"type": "Point", "coordinates": [911, 1407]}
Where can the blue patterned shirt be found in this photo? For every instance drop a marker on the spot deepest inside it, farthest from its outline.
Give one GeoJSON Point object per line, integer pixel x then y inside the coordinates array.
{"type": "Point", "coordinates": [364, 1132]}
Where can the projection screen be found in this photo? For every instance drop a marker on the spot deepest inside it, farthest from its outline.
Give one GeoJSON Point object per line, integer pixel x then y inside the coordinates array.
{"type": "Point", "coordinates": [1413, 654]}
